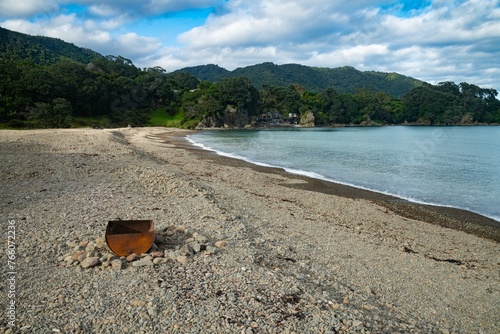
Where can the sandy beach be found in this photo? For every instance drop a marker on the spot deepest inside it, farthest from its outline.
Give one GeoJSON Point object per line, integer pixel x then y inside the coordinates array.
{"type": "Point", "coordinates": [290, 254]}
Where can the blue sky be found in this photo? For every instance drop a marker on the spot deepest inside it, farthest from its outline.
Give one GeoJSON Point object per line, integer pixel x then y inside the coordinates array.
{"type": "Point", "coordinates": [434, 40]}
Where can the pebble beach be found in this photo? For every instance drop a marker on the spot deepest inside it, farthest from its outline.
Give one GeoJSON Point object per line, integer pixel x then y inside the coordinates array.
{"type": "Point", "coordinates": [238, 248]}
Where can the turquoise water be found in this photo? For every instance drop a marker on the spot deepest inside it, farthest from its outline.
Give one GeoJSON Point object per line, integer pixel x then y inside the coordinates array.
{"type": "Point", "coordinates": [448, 166]}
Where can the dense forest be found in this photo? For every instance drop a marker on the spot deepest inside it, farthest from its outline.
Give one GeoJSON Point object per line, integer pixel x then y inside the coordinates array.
{"type": "Point", "coordinates": [40, 50]}
{"type": "Point", "coordinates": [45, 82]}
{"type": "Point", "coordinates": [345, 79]}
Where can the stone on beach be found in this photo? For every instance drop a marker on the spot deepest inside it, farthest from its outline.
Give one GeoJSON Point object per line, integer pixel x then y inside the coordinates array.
{"type": "Point", "coordinates": [182, 259]}
{"type": "Point", "coordinates": [117, 264]}
{"type": "Point", "coordinates": [196, 247]}
{"type": "Point", "coordinates": [76, 256]}
{"type": "Point", "coordinates": [220, 243]}
{"type": "Point", "coordinates": [200, 238]}
{"type": "Point", "coordinates": [187, 250]}
{"type": "Point", "coordinates": [160, 260]}
{"type": "Point", "coordinates": [138, 303]}
{"type": "Point", "coordinates": [132, 257]}
{"type": "Point", "coordinates": [157, 254]}
{"type": "Point", "coordinates": [210, 250]}
{"type": "Point", "coordinates": [100, 243]}
{"type": "Point", "coordinates": [142, 263]}
{"type": "Point", "coordinates": [278, 253]}
{"type": "Point", "coordinates": [90, 262]}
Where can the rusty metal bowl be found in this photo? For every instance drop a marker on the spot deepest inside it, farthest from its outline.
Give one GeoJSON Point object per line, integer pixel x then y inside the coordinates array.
{"type": "Point", "coordinates": [125, 237]}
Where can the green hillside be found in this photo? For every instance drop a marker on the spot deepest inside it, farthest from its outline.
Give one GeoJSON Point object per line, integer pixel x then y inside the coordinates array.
{"type": "Point", "coordinates": [47, 83]}
{"type": "Point", "coordinates": [42, 50]}
{"type": "Point", "coordinates": [39, 50]}
{"type": "Point", "coordinates": [209, 72]}
{"type": "Point", "coordinates": [343, 79]}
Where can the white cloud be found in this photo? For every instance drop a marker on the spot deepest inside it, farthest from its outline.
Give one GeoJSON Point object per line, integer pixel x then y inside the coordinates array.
{"type": "Point", "coordinates": [65, 27]}
{"type": "Point", "coordinates": [266, 22]}
{"type": "Point", "coordinates": [102, 10]}
{"type": "Point", "coordinates": [90, 34]}
{"type": "Point", "coordinates": [435, 41]}
{"type": "Point", "coordinates": [25, 8]}
{"type": "Point", "coordinates": [115, 22]}
{"type": "Point", "coordinates": [442, 41]}
{"type": "Point", "coordinates": [134, 45]}
{"type": "Point", "coordinates": [444, 26]}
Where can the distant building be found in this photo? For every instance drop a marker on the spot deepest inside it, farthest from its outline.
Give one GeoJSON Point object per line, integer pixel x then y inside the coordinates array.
{"type": "Point", "coordinates": [275, 118]}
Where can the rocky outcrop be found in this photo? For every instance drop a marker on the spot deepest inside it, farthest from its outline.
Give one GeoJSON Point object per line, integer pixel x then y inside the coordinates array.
{"type": "Point", "coordinates": [238, 118]}
{"type": "Point", "coordinates": [467, 119]}
{"type": "Point", "coordinates": [307, 119]}
{"type": "Point", "coordinates": [233, 118]}
{"type": "Point", "coordinates": [210, 122]}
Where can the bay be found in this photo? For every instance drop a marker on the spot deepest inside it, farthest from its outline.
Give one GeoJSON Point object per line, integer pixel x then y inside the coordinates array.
{"type": "Point", "coordinates": [456, 166]}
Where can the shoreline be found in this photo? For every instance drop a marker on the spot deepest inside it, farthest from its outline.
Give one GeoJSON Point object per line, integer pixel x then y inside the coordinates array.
{"type": "Point", "coordinates": [281, 126]}
{"type": "Point", "coordinates": [449, 217]}
{"type": "Point", "coordinates": [284, 253]}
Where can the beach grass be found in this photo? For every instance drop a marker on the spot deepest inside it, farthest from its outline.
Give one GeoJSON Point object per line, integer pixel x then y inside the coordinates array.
{"type": "Point", "coordinates": [159, 117]}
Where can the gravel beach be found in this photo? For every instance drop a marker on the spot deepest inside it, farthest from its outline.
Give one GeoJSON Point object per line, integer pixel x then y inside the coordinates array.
{"type": "Point", "coordinates": [238, 249]}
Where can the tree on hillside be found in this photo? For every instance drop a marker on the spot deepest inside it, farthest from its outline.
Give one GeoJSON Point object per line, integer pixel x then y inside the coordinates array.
{"type": "Point", "coordinates": [449, 103]}
{"type": "Point", "coordinates": [336, 108]}
{"type": "Point", "coordinates": [432, 105]}
{"type": "Point", "coordinates": [57, 114]}
{"type": "Point", "coordinates": [285, 100]}
{"type": "Point", "coordinates": [238, 92]}
{"type": "Point", "coordinates": [114, 66]}
{"type": "Point", "coordinates": [182, 81]}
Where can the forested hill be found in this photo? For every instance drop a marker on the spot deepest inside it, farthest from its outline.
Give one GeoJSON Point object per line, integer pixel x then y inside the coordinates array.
{"type": "Point", "coordinates": [40, 50]}
{"type": "Point", "coordinates": [46, 83]}
{"type": "Point", "coordinates": [343, 79]}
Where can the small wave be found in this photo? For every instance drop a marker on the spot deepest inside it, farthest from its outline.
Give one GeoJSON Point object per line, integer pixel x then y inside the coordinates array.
{"type": "Point", "coordinates": [328, 179]}
{"type": "Point", "coordinates": [229, 155]}
{"type": "Point", "coordinates": [403, 197]}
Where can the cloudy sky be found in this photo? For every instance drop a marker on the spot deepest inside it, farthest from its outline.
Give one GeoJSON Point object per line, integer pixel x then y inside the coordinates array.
{"type": "Point", "coordinates": [434, 40]}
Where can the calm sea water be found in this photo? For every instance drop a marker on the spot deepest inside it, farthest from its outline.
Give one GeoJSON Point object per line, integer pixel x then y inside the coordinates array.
{"type": "Point", "coordinates": [448, 166]}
